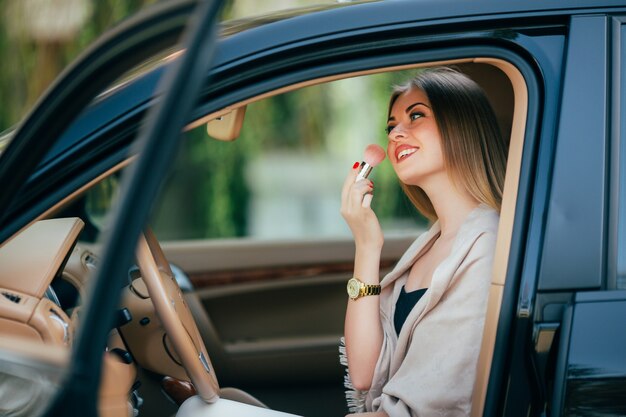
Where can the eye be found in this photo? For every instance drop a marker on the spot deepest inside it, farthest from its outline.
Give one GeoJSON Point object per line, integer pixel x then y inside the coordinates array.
{"type": "Point", "coordinates": [416, 115]}
{"type": "Point", "coordinates": [388, 129]}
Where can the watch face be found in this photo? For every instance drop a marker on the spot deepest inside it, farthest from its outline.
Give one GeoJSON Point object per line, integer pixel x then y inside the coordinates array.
{"type": "Point", "coordinates": [353, 288]}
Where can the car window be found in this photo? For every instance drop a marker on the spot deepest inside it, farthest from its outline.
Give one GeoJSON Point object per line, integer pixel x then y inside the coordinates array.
{"type": "Point", "coordinates": [282, 177]}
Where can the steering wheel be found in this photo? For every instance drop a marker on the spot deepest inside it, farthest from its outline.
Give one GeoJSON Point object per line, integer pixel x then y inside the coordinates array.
{"type": "Point", "coordinates": [174, 314]}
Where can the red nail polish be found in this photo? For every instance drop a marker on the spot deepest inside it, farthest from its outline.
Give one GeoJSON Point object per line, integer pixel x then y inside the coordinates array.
{"type": "Point", "coordinates": [356, 165]}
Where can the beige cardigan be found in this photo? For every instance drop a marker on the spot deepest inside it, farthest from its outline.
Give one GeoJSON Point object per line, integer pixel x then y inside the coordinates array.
{"type": "Point", "coordinates": [430, 368]}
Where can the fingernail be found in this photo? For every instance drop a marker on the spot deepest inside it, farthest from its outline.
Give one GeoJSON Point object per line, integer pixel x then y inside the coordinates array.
{"type": "Point", "coordinates": [356, 165]}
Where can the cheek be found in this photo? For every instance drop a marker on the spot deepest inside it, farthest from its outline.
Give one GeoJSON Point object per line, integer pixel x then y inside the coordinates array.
{"type": "Point", "coordinates": [434, 143]}
{"type": "Point", "coordinates": [439, 151]}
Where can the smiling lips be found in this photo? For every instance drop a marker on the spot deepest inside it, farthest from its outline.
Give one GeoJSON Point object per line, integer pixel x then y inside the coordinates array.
{"type": "Point", "coordinates": [404, 151]}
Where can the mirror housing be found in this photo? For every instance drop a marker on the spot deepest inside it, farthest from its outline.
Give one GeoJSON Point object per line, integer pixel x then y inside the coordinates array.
{"type": "Point", "coordinates": [227, 126]}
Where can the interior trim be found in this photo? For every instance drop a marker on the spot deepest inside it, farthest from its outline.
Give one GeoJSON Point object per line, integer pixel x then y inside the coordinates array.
{"type": "Point", "coordinates": [229, 277]}
{"type": "Point", "coordinates": [513, 168]}
{"type": "Point", "coordinates": [286, 344]}
{"type": "Point", "coordinates": [200, 255]}
{"type": "Point", "coordinates": [505, 229]}
{"type": "Point", "coordinates": [30, 260]}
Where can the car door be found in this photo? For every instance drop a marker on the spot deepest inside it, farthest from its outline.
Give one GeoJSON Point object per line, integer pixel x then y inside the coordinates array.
{"type": "Point", "coordinates": [590, 374]}
{"type": "Point", "coordinates": [271, 320]}
{"type": "Point", "coordinates": [578, 344]}
{"type": "Point", "coordinates": [131, 43]}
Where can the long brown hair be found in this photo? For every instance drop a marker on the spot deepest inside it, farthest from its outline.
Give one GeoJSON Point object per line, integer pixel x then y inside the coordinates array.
{"type": "Point", "coordinates": [474, 153]}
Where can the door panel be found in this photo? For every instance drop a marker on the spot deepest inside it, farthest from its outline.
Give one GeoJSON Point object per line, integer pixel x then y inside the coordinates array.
{"type": "Point", "coordinates": [591, 365]}
{"type": "Point", "coordinates": [273, 325]}
{"type": "Point", "coordinates": [271, 315]}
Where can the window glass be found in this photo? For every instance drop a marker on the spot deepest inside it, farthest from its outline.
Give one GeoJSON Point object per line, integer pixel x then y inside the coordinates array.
{"type": "Point", "coordinates": [621, 228]}
{"type": "Point", "coordinates": [100, 199]}
{"type": "Point", "coordinates": [282, 177]}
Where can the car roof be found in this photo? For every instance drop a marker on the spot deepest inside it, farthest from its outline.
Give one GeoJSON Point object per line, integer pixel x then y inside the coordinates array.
{"type": "Point", "coordinates": [302, 24]}
{"type": "Point", "coordinates": [294, 28]}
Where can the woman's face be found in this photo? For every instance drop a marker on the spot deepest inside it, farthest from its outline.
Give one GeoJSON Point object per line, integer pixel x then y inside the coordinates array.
{"type": "Point", "coordinates": [414, 146]}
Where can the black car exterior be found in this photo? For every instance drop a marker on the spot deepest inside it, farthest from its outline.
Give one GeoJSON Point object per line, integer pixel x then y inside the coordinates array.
{"type": "Point", "coordinates": [560, 346]}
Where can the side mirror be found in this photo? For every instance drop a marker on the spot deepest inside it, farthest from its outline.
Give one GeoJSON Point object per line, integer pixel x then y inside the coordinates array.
{"type": "Point", "coordinates": [227, 126]}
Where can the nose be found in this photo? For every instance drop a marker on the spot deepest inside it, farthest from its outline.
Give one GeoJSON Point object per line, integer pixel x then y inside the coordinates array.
{"type": "Point", "coordinates": [398, 133]}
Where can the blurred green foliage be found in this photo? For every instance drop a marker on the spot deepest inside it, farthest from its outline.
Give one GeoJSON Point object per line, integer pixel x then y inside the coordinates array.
{"type": "Point", "coordinates": [30, 65]}
{"type": "Point", "coordinates": [207, 194]}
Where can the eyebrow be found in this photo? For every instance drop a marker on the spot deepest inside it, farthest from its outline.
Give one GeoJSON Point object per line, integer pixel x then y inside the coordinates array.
{"type": "Point", "coordinates": [408, 109]}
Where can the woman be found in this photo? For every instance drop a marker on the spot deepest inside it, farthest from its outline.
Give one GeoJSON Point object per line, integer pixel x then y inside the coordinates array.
{"type": "Point", "coordinates": [413, 349]}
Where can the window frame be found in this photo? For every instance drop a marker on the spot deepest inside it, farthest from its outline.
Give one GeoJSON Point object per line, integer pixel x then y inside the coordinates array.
{"type": "Point", "coordinates": [616, 264]}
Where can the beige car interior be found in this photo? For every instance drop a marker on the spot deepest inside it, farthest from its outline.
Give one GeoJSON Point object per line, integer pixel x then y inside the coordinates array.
{"type": "Point", "coordinates": [217, 323]}
{"type": "Point", "coordinates": [28, 264]}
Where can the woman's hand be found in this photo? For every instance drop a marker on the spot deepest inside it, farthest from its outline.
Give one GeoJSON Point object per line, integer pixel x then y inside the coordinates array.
{"type": "Point", "coordinates": [356, 199]}
{"type": "Point", "coordinates": [363, 343]}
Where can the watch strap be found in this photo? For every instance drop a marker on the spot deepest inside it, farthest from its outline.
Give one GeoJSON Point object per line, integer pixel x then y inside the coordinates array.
{"type": "Point", "coordinates": [368, 289]}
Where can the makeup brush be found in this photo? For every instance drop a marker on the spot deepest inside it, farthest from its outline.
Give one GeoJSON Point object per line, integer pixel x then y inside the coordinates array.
{"type": "Point", "coordinates": [374, 155]}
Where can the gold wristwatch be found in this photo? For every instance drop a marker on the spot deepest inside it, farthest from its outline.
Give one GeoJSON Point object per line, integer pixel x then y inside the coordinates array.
{"type": "Point", "coordinates": [358, 289]}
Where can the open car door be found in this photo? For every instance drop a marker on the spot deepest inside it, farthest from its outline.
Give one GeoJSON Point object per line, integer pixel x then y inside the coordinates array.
{"type": "Point", "coordinates": [178, 90]}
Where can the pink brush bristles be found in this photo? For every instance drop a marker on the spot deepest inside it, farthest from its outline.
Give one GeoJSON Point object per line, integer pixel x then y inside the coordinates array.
{"type": "Point", "coordinates": [374, 155]}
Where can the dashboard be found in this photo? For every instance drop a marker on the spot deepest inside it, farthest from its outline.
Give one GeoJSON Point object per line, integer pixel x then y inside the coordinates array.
{"type": "Point", "coordinates": [43, 277]}
{"type": "Point", "coordinates": [29, 264]}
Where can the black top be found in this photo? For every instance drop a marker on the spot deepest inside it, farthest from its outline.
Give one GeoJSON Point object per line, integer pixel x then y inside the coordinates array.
{"type": "Point", "coordinates": [404, 305]}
